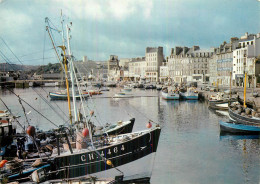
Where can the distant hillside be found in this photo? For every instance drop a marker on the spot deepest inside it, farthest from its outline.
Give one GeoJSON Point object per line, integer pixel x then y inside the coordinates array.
{"type": "Point", "coordinates": [4, 67]}
{"type": "Point", "coordinates": [50, 68]}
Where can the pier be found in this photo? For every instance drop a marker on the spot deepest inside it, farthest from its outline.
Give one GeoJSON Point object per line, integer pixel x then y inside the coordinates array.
{"type": "Point", "coordinates": [28, 83]}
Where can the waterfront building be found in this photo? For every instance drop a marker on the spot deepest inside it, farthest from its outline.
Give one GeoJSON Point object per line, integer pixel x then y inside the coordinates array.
{"type": "Point", "coordinates": [244, 59]}
{"type": "Point", "coordinates": [123, 63]}
{"type": "Point", "coordinates": [213, 68]}
{"type": "Point", "coordinates": [137, 68]}
{"type": "Point", "coordinates": [154, 58]}
{"type": "Point", "coordinates": [112, 67]}
{"type": "Point", "coordinates": [164, 72]}
{"type": "Point", "coordinates": [85, 58]}
{"type": "Point", "coordinates": [189, 64]}
{"type": "Point", "coordinates": [224, 60]}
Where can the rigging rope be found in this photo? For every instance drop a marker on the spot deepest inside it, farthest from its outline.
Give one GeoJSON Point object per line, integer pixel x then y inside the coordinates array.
{"type": "Point", "coordinates": [11, 51]}
{"type": "Point", "coordinates": [13, 115]}
{"type": "Point", "coordinates": [11, 58]}
{"type": "Point", "coordinates": [90, 135]}
{"type": "Point", "coordinates": [32, 107]}
{"type": "Point", "coordinates": [50, 105]}
{"type": "Point", "coordinates": [90, 97]}
{"type": "Point", "coordinates": [7, 60]}
{"type": "Point", "coordinates": [56, 104]}
{"type": "Point", "coordinates": [94, 148]}
{"type": "Point", "coordinates": [24, 111]}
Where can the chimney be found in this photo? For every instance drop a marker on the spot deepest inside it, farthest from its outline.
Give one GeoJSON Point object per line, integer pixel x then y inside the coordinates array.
{"type": "Point", "coordinates": [194, 48]}
{"type": "Point", "coordinates": [172, 51]}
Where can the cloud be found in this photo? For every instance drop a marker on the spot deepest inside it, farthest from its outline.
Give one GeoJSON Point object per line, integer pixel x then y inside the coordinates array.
{"type": "Point", "coordinates": [126, 27]}
{"type": "Point", "coordinates": [109, 9]}
{"type": "Point", "coordinates": [14, 21]}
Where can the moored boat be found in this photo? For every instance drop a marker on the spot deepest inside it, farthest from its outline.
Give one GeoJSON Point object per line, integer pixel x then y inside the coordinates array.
{"type": "Point", "coordinates": [63, 96]}
{"type": "Point", "coordinates": [94, 154]}
{"type": "Point", "coordinates": [235, 127]}
{"type": "Point", "coordinates": [92, 92]}
{"type": "Point", "coordinates": [219, 98]}
{"type": "Point", "coordinates": [104, 89]}
{"type": "Point", "coordinates": [123, 95]}
{"type": "Point", "coordinates": [170, 96]}
{"type": "Point", "coordinates": [219, 106]}
{"type": "Point", "coordinates": [112, 156]}
{"type": "Point", "coordinates": [132, 148]}
{"type": "Point", "coordinates": [243, 115]}
{"type": "Point", "coordinates": [127, 88]}
{"type": "Point", "coordinates": [121, 127]}
{"type": "Point", "coordinates": [190, 94]}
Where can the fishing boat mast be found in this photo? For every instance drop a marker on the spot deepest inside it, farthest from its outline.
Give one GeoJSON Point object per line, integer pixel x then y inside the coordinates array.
{"type": "Point", "coordinates": [71, 75]}
{"type": "Point", "coordinates": [66, 78]}
{"type": "Point", "coordinates": [65, 68]}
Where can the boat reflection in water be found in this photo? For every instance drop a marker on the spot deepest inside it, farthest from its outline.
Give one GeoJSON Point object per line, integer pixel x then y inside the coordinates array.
{"type": "Point", "coordinates": [229, 136]}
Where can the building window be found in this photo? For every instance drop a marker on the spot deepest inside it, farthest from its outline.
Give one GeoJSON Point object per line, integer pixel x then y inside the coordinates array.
{"type": "Point", "coordinates": [194, 71]}
{"type": "Point", "coordinates": [252, 42]}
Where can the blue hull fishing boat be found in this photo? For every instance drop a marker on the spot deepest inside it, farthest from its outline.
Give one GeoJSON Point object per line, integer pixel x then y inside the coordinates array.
{"type": "Point", "coordinates": [189, 96]}
{"type": "Point", "coordinates": [61, 96]}
{"type": "Point", "coordinates": [238, 128]}
{"type": "Point", "coordinates": [170, 96]}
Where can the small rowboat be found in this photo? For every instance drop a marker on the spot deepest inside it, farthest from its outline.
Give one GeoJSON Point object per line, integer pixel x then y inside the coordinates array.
{"type": "Point", "coordinates": [243, 119]}
{"type": "Point", "coordinates": [238, 128]}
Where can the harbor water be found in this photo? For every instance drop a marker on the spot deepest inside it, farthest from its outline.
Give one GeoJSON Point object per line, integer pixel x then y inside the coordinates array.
{"type": "Point", "coordinates": [191, 148]}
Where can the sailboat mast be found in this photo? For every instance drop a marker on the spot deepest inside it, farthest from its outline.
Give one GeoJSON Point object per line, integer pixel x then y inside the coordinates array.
{"type": "Point", "coordinates": [72, 76]}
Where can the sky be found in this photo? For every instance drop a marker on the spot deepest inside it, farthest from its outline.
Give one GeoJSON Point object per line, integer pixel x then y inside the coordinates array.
{"type": "Point", "coordinates": [101, 28]}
